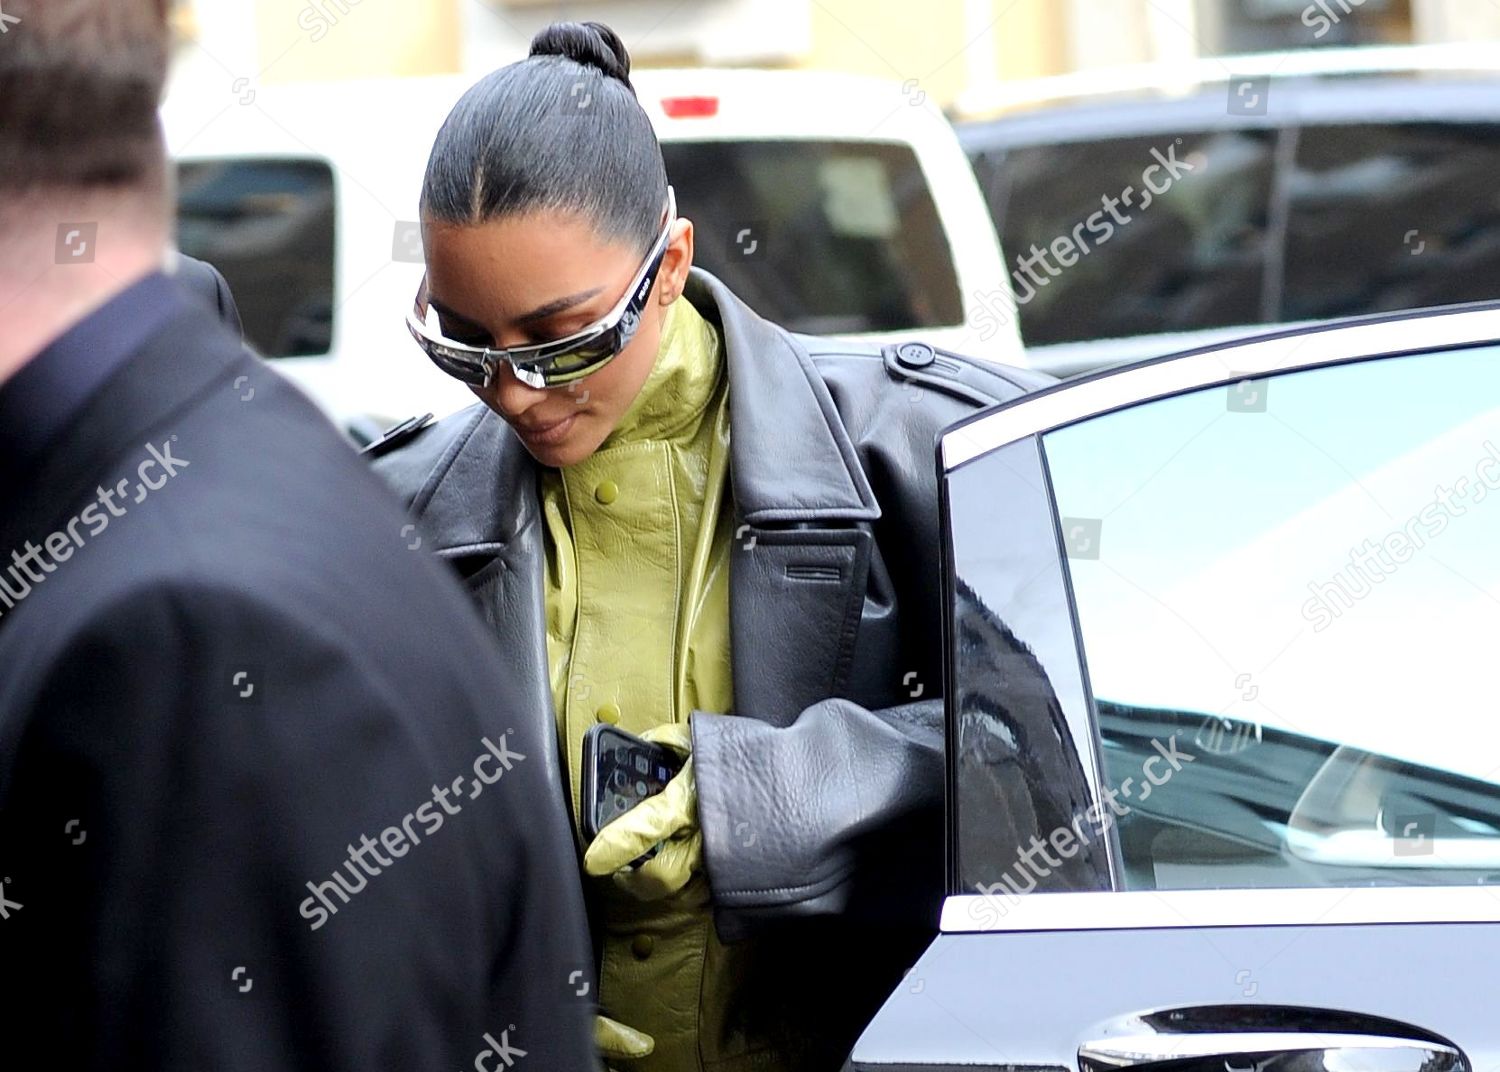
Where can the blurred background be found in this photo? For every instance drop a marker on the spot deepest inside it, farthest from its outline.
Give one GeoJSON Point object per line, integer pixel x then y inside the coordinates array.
{"type": "Point", "coordinates": [951, 45]}
{"type": "Point", "coordinates": [1063, 184]}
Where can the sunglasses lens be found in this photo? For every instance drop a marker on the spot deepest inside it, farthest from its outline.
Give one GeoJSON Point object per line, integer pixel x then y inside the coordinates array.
{"type": "Point", "coordinates": [458, 366]}
{"type": "Point", "coordinates": [578, 361]}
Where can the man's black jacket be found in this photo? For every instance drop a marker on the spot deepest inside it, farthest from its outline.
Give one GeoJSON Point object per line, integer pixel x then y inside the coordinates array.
{"type": "Point", "coordinates": [207, 702]}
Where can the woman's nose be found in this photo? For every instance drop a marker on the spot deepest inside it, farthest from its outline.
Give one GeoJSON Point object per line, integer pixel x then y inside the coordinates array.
{"type": "Point", "coordinates": [510, 396]}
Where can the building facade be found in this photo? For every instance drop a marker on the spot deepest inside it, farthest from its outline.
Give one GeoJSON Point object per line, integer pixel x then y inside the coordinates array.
{"type": "Point", "coordinates": [941, 47]}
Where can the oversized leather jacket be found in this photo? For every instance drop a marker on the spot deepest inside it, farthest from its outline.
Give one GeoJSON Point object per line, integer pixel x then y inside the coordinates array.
{"type": "Point", "coordinates": [820, 795]}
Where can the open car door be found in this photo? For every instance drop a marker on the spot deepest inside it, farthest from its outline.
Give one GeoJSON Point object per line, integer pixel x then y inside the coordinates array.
{"type": "Point", "coordinates": [1224, 757]}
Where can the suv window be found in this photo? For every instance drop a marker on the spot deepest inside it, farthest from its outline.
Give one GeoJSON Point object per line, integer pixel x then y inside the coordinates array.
{"type": "Point", "coordinates": [1193, 258]}
{"type": "Point", "coordinates": [822, 237]}
{"type": "Point", "coordinates": [268, 225]}
{"type": "Point", "coordinates": [1392, 216]}
{"type": "Point", "coordinates": [1288, 615]}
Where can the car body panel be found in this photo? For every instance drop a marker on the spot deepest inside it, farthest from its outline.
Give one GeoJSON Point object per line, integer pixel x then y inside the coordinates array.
{"type": "Point", "coordinates": [1031, 999]}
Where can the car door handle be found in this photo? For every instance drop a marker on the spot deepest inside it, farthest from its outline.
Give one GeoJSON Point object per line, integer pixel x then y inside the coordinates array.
{"type": "Point", "coordinates": [1270, 1051]}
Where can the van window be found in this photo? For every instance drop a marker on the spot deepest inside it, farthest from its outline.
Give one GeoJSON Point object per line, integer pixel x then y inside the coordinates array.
{"type": "Point", "coordinates": [1193, 258]}
{"type": "Point", "coordinates": [1392, 216]}
{"type": "Point", "coordinates": [268, 225]}
{"type": "Point", "coordinates": [823, 237]}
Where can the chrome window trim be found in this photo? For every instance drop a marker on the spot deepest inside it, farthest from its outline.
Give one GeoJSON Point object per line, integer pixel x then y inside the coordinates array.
{"type": "Point", "coordinates": [1117, 389]}
{"type": "Point", "coordinates": [1177, 909]}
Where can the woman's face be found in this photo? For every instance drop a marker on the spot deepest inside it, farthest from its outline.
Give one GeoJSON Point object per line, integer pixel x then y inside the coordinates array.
{"type": "Point", "coordinates": [534, 278]}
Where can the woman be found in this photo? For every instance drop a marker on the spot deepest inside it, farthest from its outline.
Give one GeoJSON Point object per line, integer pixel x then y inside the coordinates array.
{"type": "Point", "coordinates": [682, 520]}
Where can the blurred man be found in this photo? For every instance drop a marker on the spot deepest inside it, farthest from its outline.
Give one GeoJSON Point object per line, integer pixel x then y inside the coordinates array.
{"type": "Point", "coordinates": [264, 804]}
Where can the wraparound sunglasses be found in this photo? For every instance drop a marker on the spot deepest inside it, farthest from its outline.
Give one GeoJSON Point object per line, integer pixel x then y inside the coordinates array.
{"type": "Point", "coordinates": [548, 364]}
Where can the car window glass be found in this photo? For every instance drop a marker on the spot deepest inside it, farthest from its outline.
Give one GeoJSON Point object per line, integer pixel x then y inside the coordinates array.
{"type": "Point", "coordinates": [823, 237]}
{"type": "Point", "coordinates": [1392, 216]}
{"type": "Point", "coordinates": [268, 225]}
{"type": "Point", "coordinates": [1288, 611]}
{"type": "Point", "coordinates": [1188, 256]}
{"type": "Point", "coordinates": [1022, 764]}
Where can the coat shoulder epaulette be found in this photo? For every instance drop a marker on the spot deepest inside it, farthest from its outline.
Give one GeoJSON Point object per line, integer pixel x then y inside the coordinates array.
{"type": "Point", "coordinates": [394, 437]}
{"type": "Point", "coordinates": [982, 382]}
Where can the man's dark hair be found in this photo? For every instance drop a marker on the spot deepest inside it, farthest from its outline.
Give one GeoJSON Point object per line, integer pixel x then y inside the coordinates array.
{"type": "Point", "coordinates": [560, 130]}
{"type": "Point", "coordinates": [80, 83]}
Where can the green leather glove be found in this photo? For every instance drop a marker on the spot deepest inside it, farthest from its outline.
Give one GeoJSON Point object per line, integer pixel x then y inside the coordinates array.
{"type": "Point", "coordinates": [616, 1042]}
{"type": "Point", "coordinates": [669, 819]}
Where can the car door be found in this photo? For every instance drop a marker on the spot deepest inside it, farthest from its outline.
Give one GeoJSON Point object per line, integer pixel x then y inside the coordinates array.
{"type": "Point", "coordinates": [1223, 752]}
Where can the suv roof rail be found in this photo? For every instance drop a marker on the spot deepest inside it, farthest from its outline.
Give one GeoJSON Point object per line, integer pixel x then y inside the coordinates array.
{"type": "Point", "coordinates": [1181, 78]}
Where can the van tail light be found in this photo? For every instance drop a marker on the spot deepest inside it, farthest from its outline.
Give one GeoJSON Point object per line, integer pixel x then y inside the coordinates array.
{"type": "Point", "coordinates": [690, 107]}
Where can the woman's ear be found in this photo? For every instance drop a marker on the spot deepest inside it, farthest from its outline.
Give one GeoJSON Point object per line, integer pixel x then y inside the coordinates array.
{"type": "Point", "coordinates": [676, 262]}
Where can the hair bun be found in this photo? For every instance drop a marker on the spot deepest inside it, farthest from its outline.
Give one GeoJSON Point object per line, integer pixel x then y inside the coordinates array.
{"type": "Point", "coordinates": [592, 44]}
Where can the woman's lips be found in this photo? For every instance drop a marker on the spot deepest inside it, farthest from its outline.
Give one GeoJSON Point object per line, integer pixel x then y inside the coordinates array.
{"type": "Point", "coordinates": [549, 434]}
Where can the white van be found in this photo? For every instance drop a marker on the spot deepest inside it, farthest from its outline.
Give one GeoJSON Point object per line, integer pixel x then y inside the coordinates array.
{"type": "Point", "coordinates": [832, 204]}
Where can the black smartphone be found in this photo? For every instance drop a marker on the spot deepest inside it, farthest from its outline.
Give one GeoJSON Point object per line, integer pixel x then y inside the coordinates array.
{"type": "Point", "coordinates": [619, 771]}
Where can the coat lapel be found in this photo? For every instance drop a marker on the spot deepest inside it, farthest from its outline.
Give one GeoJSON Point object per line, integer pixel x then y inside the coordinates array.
{"type": "Point", "coordinates": [493, 540]}
{"type": "Point", "coordinates": [803, 512]}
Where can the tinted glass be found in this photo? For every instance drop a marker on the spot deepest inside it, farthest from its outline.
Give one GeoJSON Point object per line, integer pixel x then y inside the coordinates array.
{"type": "Point", "coordinates": [1393, 216]}
{"type": "Point", "coordinates": [1289, 599]}
{"type": "Point", "coordinates": [819, 236]}
{"type": "Point", "coordinates": [1190, 256]}
{"type": "Point", "coordinates": [268, 225]}
{"type": "Point", "coordinates": [1022, 768]}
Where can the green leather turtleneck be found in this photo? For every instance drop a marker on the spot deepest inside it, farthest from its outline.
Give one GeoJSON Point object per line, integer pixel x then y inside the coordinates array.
{"type": "Point", "coordinates": [637, 586]}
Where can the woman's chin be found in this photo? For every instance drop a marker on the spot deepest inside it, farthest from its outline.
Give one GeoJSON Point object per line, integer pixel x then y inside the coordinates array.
{"type": "Point", "coordinates": [569, 451]}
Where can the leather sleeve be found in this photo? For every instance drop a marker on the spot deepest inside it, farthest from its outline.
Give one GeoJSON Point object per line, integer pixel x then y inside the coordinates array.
{"type": "Point", "coordinates": [839, 813]}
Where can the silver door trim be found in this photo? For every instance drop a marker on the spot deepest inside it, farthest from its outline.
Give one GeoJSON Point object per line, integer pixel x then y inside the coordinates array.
{"type": "Point", "coordinates": [1002, 911]}
{"type": "Point", "coordinates": [1224, 365]}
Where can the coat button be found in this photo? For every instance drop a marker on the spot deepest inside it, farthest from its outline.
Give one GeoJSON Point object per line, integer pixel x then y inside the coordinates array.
{"type": "Point", "coordinates": [915, 355]}
{"type": "Point", "coordinates": [610, 713]}
{"type": "Point", "coordinates": [642, 945]}
{"type": "Point", "coordinates": [607, 492]}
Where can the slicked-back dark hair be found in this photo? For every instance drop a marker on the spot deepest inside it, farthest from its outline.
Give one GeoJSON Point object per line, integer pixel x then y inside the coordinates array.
{"type": "Point", "coordinates": [80, 83]}
{"type": "Point", "coordinates": [560, 130]}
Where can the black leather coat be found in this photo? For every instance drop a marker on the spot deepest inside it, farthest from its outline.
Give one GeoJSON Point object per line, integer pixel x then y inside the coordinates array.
{"type": "Point", "coordinates": [821, 794]}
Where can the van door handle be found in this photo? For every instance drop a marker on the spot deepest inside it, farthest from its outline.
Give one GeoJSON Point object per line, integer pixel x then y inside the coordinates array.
{"type": "Point", "coordinates": [1269, 1051]}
